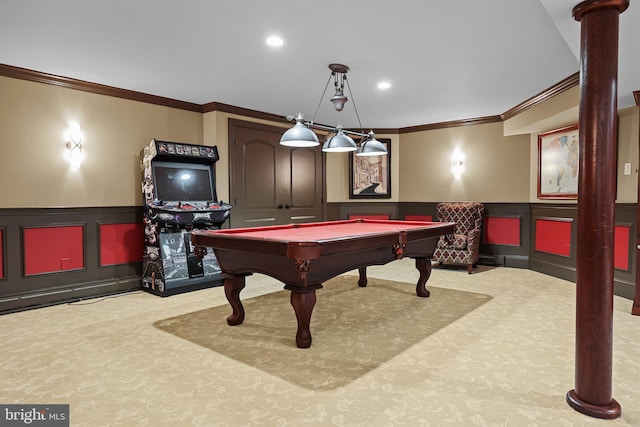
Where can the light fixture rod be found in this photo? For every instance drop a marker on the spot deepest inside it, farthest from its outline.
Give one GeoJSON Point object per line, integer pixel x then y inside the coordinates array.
{"type": "Point", "coordinates": [322, 97]}
{"type": "Point", "coordinates": [332, 129]}
{"type": "Point", "coordinates": [354, 102]}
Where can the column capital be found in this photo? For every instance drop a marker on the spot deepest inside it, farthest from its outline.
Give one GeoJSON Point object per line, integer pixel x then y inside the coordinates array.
{"type": "Point", "coordinates": [589, 5]}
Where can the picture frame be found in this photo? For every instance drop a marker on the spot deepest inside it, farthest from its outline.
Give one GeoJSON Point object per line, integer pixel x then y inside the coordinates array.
{"type": "Point", "coordinates": [370, 176]}
{"type": "Point", "coordinates": [558, 157]}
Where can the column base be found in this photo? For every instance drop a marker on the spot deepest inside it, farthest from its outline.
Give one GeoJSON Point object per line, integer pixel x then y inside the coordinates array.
{"type": "Point", "coordinates": [608, 412]}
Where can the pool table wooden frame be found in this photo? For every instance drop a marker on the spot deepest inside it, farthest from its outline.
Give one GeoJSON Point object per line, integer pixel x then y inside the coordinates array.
{"type": "Point", "coordinates": [303, 256]}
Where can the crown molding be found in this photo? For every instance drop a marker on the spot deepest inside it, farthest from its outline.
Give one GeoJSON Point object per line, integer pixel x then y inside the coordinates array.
{"type": "Point", "coordinates": [451, 124]}
{"type": "Point", "coordinates": [566, 84]}
{"type": "Point", "coordinates": [69, 83]}
{"type": "Point", "coordinates": [232, 109]}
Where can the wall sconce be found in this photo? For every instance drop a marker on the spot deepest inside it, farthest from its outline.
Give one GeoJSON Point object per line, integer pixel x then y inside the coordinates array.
{"type": "Point", "coordinates": [457, 163]}
{"type": "Point", "coordinates": [74, 136]}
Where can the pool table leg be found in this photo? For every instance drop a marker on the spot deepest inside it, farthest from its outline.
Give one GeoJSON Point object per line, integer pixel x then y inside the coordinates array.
{"type": "Point", "coordinates": [424, 267]}
{"type": "Point", "coordinates": [303, 303]}
{"type": "Point", "coordinates": [362, 279]}
{"type": "Point", "coordinates": [233, 285]}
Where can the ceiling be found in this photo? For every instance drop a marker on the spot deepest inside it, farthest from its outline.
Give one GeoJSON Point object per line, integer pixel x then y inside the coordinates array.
{"type": "Point", "coordinates": [445, 61]}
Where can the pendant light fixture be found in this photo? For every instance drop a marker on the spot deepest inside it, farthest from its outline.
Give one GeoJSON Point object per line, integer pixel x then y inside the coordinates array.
{"type": "Point", "coordinates": [339, 139]}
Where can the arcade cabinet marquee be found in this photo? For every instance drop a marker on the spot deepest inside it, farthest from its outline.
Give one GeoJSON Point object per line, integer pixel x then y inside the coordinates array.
{"type": "Point", "coordinates": [179, 194]}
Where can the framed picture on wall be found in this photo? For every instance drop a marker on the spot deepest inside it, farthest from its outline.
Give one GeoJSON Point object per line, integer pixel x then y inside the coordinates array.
{"type": "Point", "coordinates": [370, 176]}
{"type": "Point", "coordinates": [558, 154]}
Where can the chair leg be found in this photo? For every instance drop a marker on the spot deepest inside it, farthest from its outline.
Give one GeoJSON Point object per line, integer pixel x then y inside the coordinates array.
{"type": "Point", "coordinates": [469, 268]}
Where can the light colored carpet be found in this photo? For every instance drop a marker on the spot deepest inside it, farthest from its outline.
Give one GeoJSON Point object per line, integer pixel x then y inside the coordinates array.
{"type": "Point", "coordinates": [355, 330]}
{"type": "Point", "coordinates": [508, 362]}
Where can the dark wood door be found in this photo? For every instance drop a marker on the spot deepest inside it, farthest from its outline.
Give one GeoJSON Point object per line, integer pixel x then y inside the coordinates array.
{"type": "Point", "coordinates": [272, 184]}
{"type": "Point", "coordinates": [636, 301]}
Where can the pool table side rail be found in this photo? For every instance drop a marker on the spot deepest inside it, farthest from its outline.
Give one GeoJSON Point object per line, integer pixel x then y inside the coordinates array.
{"type": "Point", "coordinates": [233, 239]}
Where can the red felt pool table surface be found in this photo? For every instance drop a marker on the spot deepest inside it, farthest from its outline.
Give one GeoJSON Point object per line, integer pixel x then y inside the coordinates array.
{"type": "Point", "coordinates": [303, 256]}
{"type": "Point", "coordinates": [323, 231]}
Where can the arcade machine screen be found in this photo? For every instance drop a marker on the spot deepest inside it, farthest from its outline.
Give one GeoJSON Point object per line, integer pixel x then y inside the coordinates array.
{"type": "Point", "coordinates": [182, 182]}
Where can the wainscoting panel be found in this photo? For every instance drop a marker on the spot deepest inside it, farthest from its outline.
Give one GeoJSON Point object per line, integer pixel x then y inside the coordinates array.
{"type": "Point", "coordinates": [555, 261]}
{"type": "Point", "coordinates": [505, 235]}
{"type": "Point", "coordinates": [121, 243]}
{"type": "Point", "coordinates": [502, 230]}
{"type": "Point", "coordinates": [621, 253]}
{"type": "Point", "coordinates": [336, 211]}
{"type": "Point", "coordinates": [53, 249]}
{"type": "Point", "coordinates": [553, 235]}
{"type": "Point", "coordinates": [54, 255]}
{"type": "Point", "coordinates": [2, 252]}
{"type": "Point", "coordinates": [524, 235]}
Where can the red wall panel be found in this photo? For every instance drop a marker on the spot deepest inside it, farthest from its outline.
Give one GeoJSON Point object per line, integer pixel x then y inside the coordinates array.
{"type": "Point", "coordinates": [366, 216]}
{"type": "Point", "coordinates": [621, 247]}
{"type": "Point", "coordinates": [1, 255]}
{"type": "Point", "coordinates": [121, 243]}
{"type": "Point", "coordinates": [427, 218]}
{"type": "Point", "coordinates": [50, 249]}
{"type": "Point", "coordinates": [553, 236]}
{"type": "Point", "coordinates": [502, 231]}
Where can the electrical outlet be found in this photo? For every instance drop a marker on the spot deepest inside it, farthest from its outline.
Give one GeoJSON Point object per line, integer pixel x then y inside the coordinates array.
{"type": "Point", "coordinates": [627, 168]}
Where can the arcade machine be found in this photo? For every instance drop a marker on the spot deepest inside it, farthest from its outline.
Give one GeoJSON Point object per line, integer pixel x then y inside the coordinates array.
{"type": "Point", "coordinates": [179, 192]}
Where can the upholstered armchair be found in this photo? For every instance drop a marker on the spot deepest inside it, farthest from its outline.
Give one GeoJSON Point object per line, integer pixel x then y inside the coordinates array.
{"type": "Point", "coordinates": [462, 247]}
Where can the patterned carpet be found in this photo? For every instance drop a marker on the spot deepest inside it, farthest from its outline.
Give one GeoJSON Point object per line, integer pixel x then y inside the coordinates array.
{"type": "Point", "coordinates": [355, 330]}
{"type": "Point", "coordinates": [495, 348]}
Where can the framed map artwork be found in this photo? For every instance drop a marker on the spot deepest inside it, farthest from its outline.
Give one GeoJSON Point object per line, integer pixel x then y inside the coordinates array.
{"type": "Point", "coordinates": [558, 154]}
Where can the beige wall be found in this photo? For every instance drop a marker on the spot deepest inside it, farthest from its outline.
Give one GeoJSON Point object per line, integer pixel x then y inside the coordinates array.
{"type": "Point", "coordinates": [34, 172]}
{"type": "Point", "coordinates": [628, 152]}
{"type": "Point", "coordinates": [493, 164]}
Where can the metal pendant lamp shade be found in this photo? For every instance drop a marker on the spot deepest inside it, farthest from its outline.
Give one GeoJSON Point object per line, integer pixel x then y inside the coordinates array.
{"type": "Point", "coordinates": [299, 135]}
{"type": "Point", "coordinates": [340, 142]}
{"type": "Point", "coordinates": [371, 147]}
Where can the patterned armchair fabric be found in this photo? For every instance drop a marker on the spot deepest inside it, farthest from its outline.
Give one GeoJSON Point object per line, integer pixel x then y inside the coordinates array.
{"type": "Point", "coordinates": [462, 247]}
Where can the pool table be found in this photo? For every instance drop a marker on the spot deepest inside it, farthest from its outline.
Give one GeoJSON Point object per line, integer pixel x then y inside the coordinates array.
{"type": "Point", "coordinates": [303, 256]}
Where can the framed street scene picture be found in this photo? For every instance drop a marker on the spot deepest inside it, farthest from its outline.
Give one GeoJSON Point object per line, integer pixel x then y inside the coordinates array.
{"type": "Point", "coordinates": [370, 176]}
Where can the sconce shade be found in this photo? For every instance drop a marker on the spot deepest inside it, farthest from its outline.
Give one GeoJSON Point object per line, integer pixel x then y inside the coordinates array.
{"type": "Point", "coordinates": [371, 147]}
{"type": "Point", "coordinates": [339, 99]}
{"type": "Point", "coordinates": [340, 142]}
{"type": "Point", "coordinates": [299, 135]}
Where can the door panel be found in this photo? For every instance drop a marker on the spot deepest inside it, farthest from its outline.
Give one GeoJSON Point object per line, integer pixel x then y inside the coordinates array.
{"type": "Point", "coordinates": [305, 185]}
{"type": "Point", "coordinates": [259, 171]}
{"type": "Point", "coordinates": [272, 184]}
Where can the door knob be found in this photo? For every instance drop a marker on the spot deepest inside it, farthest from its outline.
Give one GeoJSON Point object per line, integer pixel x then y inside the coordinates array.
{"type": "Point", "coordinates": [280, 206]}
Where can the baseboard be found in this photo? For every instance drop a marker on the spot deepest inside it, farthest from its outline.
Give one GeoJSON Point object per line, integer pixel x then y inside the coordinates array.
{"type": "Point", "coordinates": [555, 270]}
{"type": "Point", "coordinates": [624, 289]}
{"type": "Point", "coordinates": [513, 261]}
{"type": "Point", "coordinates": [69, 293]}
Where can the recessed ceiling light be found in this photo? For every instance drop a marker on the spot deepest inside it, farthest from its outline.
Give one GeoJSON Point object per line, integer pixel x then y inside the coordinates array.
{"type": "Point", "coordinates": [384, 85]}
{"type": "Point", "coordinates": [275, 41]}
